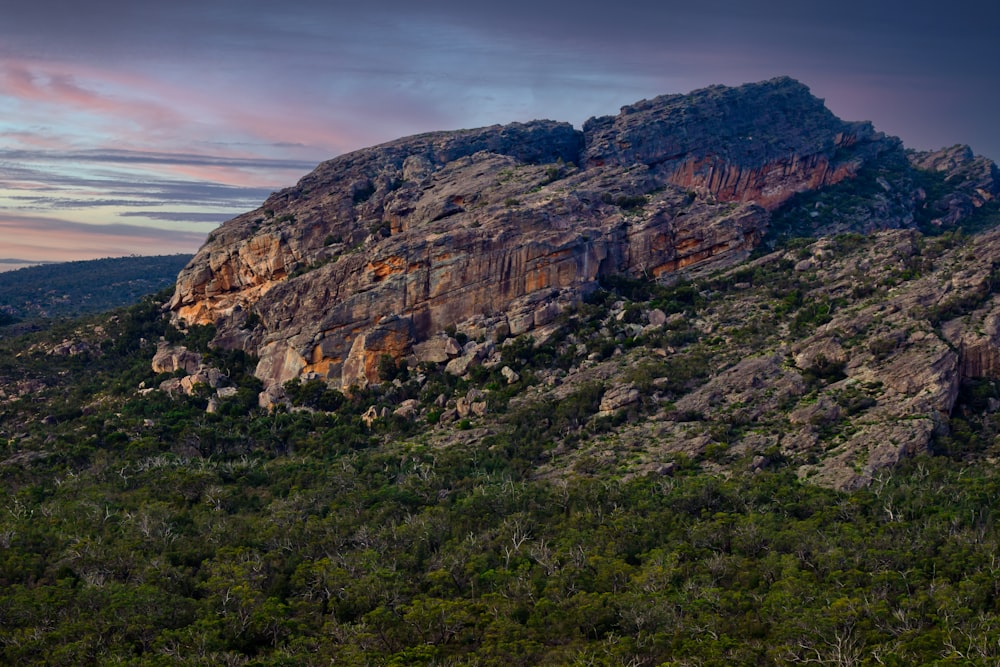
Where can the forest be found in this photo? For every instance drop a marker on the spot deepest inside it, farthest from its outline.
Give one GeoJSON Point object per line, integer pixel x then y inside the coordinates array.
{"type": "Point", "coordinates": [143, 530]}
{"type": "Point", "coordinates": [70, 289]}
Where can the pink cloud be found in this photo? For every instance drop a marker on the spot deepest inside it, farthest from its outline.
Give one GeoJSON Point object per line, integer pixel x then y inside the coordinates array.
{"type": "Point", "coordinates": [53, 239]}
{"type": "Point", "coordinates": [62, 88]}
{"type": "Point", "coordinates": [128, 109]}
{"type": "Point", "coordinates": [233, 176]}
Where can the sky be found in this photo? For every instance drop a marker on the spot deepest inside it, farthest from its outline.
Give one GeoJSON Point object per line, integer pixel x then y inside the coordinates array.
{"type": "Point", "coordinates": [135, 128]}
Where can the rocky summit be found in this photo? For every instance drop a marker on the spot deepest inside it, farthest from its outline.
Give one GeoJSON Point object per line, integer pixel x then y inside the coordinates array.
{"type": "Point", "coordinates": [494, 232]}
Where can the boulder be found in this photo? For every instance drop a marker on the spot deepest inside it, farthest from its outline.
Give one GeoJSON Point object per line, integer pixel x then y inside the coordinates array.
{"type": "Point", "coordinates": [474, 354]}
{"type": "Point", "coordinates": [370, 415]}
{"type": "Point", "coordinates": [407, 409]}
{"type": "Point", "coordinates": [510, 375]}
{"type": "Point", "coordinates": [436, 350]}
{"type": "Point", "coordinates": [656, 317]}
{"type": "Point", "coordinates": [227, 392]}
{"type": "Point", "coordinates": [170, 358]}
{"type": "Point", "coordinates": [618, 397]}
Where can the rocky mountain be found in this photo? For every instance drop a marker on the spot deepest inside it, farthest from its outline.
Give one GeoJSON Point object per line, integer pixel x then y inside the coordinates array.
{"type": "Point", "coordinates": [501, 231]}
{"type": "Point", "coordinates": [495, 230]}
{"type": "Point", "coordinates": [644, 394]}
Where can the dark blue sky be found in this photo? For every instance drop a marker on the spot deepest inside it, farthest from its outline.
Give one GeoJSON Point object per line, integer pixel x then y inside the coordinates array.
{"type": "Point", "coordinates": [130, 127]}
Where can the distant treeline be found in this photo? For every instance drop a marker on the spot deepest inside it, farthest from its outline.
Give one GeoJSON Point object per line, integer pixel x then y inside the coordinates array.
{"type": "Point", "coordinates": [77, 288]}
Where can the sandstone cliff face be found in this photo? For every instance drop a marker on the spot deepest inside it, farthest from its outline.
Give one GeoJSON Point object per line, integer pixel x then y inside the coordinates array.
{"type": "Point", "coordinates": [496, 229]}
{"type": "Point", "coordinates": [762, 143]}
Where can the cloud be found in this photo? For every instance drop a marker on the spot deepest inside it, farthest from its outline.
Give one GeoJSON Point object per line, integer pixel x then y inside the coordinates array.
{"type": "Point", "coordinates": [60, 226]}
{"type": "Point", "coordinates": [61, 89]}
{"type": "Point", "coordinates": [54, 239]}
{"type": "Point", "coordinates": [178, 216]}
{"type": "Point", "coordinates": [109, 178]}
{"type": "Point", "coordinates": [56, 191]}
{"type": "Point", "coordinates": [107, 155]}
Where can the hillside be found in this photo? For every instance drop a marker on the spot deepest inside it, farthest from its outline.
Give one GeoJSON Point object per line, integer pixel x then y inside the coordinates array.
{"type": "Point", "coordinates": [551, 519]}
{"type": "Point", "coordinates": [783, 451]}
{"type": "Point", "coordinates": [71, 289]}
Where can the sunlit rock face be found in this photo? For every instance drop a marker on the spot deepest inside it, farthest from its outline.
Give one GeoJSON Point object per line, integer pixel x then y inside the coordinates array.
{"type": "Point", "coordinates": [495, 230]}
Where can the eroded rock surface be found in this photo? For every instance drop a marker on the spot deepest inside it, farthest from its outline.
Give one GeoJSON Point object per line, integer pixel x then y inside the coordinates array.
{"type": "Point", "coordinates": [497, 230]}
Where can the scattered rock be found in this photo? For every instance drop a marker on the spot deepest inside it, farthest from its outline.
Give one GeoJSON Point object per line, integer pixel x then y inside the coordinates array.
{"type": "Point", "coordinates": [71, 348]}
{"type": "Point", "coordinates": [510, 375]}
{"type": "Point", "coordinates": [656, 317]}
{"type": "Point", "coordinates": [171, 358]}
{"type": "Point", "coordinates": [618, 397]}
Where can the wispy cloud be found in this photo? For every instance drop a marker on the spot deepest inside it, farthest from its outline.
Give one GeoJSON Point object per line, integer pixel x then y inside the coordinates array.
{"type": "Point", "coordinates": [55, 239]}
{"type": "Point", "coordinates": [179, 216]}
{"type": "Point", "coordinates": [178, 196]}
{"type": "Point", "coordinates": [41, 224]}
{"type": "Point", "coordinates": [107, 155]}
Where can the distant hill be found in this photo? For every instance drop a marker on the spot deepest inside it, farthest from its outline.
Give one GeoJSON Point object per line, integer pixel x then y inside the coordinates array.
{"type": "Point", "coordinates": [12, 264]}
{"type": "Point", "coordinates": [77, 288]}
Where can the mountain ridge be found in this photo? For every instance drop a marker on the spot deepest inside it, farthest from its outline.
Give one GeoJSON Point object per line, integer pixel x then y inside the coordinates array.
{"type": "Point", "coordinates": [496, 230]}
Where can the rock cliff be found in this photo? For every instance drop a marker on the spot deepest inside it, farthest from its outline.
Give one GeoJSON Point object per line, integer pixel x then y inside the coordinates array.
{"type": "Point", "coordinates": [495, 230]}
{"type": "Point", "coordinates": [760, 143]}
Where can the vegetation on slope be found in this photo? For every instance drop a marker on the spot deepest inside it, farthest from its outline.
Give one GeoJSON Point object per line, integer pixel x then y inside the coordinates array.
{"type": "Point", "coordinates": [72, 289]}
{"type": "Point", "coordinates": [145, 530]}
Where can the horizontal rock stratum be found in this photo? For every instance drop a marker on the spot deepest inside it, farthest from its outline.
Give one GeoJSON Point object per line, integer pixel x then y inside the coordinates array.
{"type": "Point", "coordinates": [494, 230]}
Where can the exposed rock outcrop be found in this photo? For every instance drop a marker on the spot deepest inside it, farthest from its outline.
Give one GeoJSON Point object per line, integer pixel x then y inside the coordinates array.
{"type": "Point", "coordinates": [867, 370]}
{"type": "Point", "coordinates": [973, 180]}
{"type": "Point", "coordinates": [170, 358]}
{"type": "Point", "coordinates": [497, 230]}
{"type": "Point", "coordinates": [762, 143]}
